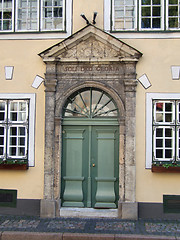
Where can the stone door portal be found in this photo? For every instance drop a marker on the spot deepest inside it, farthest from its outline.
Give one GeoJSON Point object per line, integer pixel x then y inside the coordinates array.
{"type": "Point", "coordinates": [80, 134]}
{"type": "Point", "coordinates": [90, 169]}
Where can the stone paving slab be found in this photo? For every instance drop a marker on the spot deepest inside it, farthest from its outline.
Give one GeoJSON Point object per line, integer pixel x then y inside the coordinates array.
{"type": "Point", "coordinates": [76, 236]}
{"type": "Point", "coordinates": [30, 236]}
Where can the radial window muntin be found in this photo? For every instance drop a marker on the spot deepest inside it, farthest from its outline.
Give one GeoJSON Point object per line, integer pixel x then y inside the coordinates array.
{"type": "Point", "coordinates": [90, 103]}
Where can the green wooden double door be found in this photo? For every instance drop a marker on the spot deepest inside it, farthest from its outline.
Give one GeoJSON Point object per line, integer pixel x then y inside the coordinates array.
{"type": "Point", "coordinates": [90, 172]}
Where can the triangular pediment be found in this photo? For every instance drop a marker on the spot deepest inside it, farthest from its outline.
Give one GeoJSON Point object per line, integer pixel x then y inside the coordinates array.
{"type": "Point", "coordinates": [91, 44]}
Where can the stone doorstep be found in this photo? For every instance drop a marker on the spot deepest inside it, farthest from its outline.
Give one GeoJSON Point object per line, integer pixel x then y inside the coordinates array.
{"type": "Point", "coordinates": [7, 235]}
{"type": "Point", "coordinates": [88, 212]}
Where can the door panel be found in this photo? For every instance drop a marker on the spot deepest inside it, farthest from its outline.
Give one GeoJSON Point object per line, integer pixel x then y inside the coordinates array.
{"type": "Point", "coordinates": [75, 146]}
{"type": "Point", "coordinates": [105, 176]}
{"type": "Point", "coordinates": [90, 166]}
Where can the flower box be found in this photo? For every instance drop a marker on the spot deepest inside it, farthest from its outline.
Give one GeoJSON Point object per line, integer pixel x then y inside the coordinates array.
{"type": "Point", "coordinates": [23, 166]}
{"type": "Point", "coordinates": [162, 169]}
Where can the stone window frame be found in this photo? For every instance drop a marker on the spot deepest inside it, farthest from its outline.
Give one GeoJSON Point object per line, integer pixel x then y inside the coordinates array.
{"type": "Point", "coordinates": [31, 121]}
{"type": "Point", "coordinates": [150, 97]}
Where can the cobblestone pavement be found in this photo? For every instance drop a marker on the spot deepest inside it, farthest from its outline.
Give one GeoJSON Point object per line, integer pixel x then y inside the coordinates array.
{"type": "Point", "coordinates": [90, 225]}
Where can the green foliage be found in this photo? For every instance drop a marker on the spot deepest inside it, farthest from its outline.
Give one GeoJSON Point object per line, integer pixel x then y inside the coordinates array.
{"type": "Point", "coordinates": [167, 165]}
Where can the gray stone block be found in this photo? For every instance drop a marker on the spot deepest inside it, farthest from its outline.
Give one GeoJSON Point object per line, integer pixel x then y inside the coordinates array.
{"type": "Point", "coordinates": [47, 208]}
{"type": "Point", "coordinates": [128, 210]}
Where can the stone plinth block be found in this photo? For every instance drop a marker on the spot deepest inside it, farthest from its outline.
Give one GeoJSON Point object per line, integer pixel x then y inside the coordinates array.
{"type": "Point", "coordinates": [48, 208]}
{"type": "Point", "coordinates": [128, 210]}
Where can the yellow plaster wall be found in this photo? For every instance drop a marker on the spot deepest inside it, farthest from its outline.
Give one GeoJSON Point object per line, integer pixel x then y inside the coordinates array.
{"type": "Point", "coordinates": [27, 64]}
{"type": "Point", "coordinates": [88, 7]}
{"type": "Point", "coordinates": [158, 57]}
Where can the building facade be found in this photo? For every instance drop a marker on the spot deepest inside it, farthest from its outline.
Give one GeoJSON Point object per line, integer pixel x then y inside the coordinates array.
{"type": "Point", "coordinates": [90, 108]}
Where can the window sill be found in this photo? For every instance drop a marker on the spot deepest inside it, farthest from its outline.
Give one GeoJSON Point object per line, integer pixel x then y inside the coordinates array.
{"type": "Point", "coordinates": [162, 169]}
{"type": "Point", "coordinates": [14, 166]}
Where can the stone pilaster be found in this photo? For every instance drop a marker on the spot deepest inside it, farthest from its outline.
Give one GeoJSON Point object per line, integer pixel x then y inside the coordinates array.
{"type": "Point", "coordinates": [48, 204]}
{"type": "Point", "coordinates": [129, 208]}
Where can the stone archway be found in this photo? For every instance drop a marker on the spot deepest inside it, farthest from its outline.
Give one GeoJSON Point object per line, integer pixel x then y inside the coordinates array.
{"type": "Point", "coordinates": [94, 58]}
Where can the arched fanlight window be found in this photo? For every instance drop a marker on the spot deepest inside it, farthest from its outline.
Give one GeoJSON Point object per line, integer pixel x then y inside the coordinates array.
{"type": "Point", "coordinates": [90, 103]}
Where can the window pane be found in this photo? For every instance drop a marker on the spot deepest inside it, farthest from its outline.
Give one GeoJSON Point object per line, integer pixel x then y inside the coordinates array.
{"type": "Point", "coordinates": [151, 14]}
{"type": "Point", "coordinates": [18, 111]}
{"type": "Point", "coordinates": [168, 143]}
{"type": "Point", "coordinates": [173, 11]}
{"type": "Point", "coordinates": [21, 141]}
{"type": "Point", "coordinates": [168, 117]}
{"type": "Point", "coordinates": [2, 140]}
{"type": "Point", "coordinates": [156, 23]}
{"type": "Point", "coordinates": [156, 2]}
{"type": "Point", "coordinates": [146, 2]}
{"type": "Point", "coordinates": [90, 104]}
{"type": "Point", "coordinates": [173, 23]}
{"type": "Point", "coordinates": [2, 111]}
{"type": "Point", "coordinates": [168, 132]}
{"type": "Point", "coordinates": [27, 15]}
{"type": "Point", "coordinates": [156, 11]}
{"type": "Point", "coordinates": [146, 23]}
{"type": "Point", "coordinates": [173, 1]}
{"type": "Point", "coordinates": [13, 117]}
{"type": "Point", "coordinates": [124, 15]}
{"type": "Point", "coordinates": [12, 151]}
{"type": "Point", "coordinates": [173, 14]}
{"type": "Point", "coordinates": [21, 131]}
{"type": "Point", "coordinates": [164, 138]}
{"type": "Point", "coordinates": [1, 151]}
{"type": "Point", "coordinates": [159, 153]}
{"type": "Point", "coordinates": [164, 112]}
{"type": "Point", "coordinates": [159, 132]}
{"type": "Point", "coordinates": [178, 143]}
{"type": "Point", "coordinates": [168, 153]}
{"type": "Point", "coordinates": [12, 140]}
{"type": "Point", "coordinates": [6, 15]}
{"type": "Point", "coordinates": [13, 131]}
{"type": "Point", "coordinates": [159, 143]}
{"type": "Point", "coordinates": [52, 15]}
{"type": "Point", "coordinates": [146, 11]}
{"type": "Point", "coordinates": [168, 107]}
{"type": "Point", "coordinates": [21, 151]}
{"type": "Point", "coordinates": [17, 141]}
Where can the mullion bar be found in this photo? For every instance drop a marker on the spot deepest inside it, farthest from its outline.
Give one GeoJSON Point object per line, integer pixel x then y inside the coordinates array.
{"type": "Point", "coordinates": [103, 106]}
{"type": "Point", "coordinates": [83, 102]}
{"type": "Point", "coordinates": [76, 112]}
{"type": "Point", "coordinates": [77, 105]}
{"type": "Point", "coordinates": [98, 101]}
{"type": "Point", "coordinates": [106, 112]}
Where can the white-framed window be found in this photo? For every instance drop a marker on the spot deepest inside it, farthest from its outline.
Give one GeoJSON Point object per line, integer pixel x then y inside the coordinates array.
{"type": "Point", "coordinates": [17, 122]}
{"type": "Point", "coordinates": [124, 14]}
{"type": "Point", "coordinates": [151, 15]}
{"type": "Point", "coordinates": [6, 15]}
{"type": "Point", "coordinates": [141, 15]}
{"type": "Point", "coordinates": [162, 128]}
{"type": "Point", "coordinates": [35, 15]}
{"type": "Point", "coordinates": [172, 14]}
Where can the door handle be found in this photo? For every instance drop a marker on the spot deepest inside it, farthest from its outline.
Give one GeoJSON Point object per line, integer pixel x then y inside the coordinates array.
{"type": "Point", "coordinates": [93, 165]}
